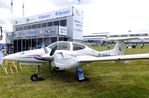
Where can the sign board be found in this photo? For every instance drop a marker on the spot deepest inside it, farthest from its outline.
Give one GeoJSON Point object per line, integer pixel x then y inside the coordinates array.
{"type": "Point", "coordinates": [62, 30]}
{"type": "Point", "coordinates": [49, 31]}
{"type": "Point", "coordinates": [77, 28]}
{"type": "Point", "coordinates": [77, 13]}
{"type": "Point", "coordinates": [50, 15]}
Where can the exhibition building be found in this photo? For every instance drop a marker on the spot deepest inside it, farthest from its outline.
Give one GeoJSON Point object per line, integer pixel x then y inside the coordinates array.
{"type": "Point", "coordinates": [35, 31]}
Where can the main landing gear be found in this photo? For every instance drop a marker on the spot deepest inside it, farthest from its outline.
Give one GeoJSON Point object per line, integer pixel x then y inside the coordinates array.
{"type": "Point", "coordinates": [80, 76]}
{"type": "Point", "coordinates": [35, 77]}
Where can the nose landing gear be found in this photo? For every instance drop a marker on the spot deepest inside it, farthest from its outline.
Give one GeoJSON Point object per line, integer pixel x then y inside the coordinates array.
{"type": "Point", "coordinates": [35, 77]}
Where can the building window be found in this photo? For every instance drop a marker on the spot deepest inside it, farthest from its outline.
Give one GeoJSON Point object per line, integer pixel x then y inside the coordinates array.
{"type": "Point", "coordinates": [29, 26]}
{"type": "Point", "coordinates": [38, 25]}
{"type": "Point", "coordinates": [44, 25]}
{"type": "Point", "coordinates": [63, 22]}
{"type": "Point", "coordinates": [56, 23]}
{"type": "Point", "coordinates": [17, 28]}
{"type": "Point", "coordinates": [50, 24]}
{"type": "Point", "coordinates": [25, 27]}
{"type": "Point", "coordinates": [20, 28]}
{"type": "Point", "coordinates": [34, 26]}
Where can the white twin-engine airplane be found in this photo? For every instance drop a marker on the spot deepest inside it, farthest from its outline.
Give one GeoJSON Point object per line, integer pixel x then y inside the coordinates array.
{"type": "Point", "coordinates": [65, 55]}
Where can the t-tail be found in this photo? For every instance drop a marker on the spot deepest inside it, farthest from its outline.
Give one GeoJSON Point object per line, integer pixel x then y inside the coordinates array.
{"type": "Point", "coordinates": [117, 50]}
{"type": "Point", "coordinates": [119, 46]}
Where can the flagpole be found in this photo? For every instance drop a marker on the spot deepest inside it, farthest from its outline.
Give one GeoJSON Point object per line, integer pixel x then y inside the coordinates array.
{"type": "Point", "coordinates": [79, 2]}
{"type": "Point", "coordinates": [11, 7]}
{"type": "Point", "coordinates": [23, 8]}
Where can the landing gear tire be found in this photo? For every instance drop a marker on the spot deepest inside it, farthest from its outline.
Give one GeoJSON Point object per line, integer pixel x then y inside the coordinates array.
{"type": "Point", "coordinates": [34, 77]}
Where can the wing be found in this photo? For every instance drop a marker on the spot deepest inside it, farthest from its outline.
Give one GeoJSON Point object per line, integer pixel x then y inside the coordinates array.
{"type": "Point", "coordinates": [122, 38]}
{"type": "Point", "coordinates": [86, 59]}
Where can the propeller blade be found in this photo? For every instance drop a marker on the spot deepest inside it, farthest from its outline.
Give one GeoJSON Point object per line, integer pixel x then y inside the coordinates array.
{"type": "Point", "coordinates": [53, 50]}
{"type": "Point", "coordinates": [45, 50]}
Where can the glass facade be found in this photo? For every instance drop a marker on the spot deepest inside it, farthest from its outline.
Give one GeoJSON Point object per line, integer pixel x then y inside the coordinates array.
{"type": "Point", "coordinates": [35, 31]}
{"type": "Point", "coordinates": [62, 22]}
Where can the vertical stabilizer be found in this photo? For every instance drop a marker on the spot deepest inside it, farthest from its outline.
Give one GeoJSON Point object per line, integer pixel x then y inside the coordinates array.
{"type": "Point", "coordinates": [117, 50]}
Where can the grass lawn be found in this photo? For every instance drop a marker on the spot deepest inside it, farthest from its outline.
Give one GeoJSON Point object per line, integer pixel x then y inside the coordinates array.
{"type": "Point", "coordinates": [107, 80]}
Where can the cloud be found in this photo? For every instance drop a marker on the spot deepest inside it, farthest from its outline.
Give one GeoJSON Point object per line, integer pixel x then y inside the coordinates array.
{"type": "Point", "coordinates": [5, 4]}
{"type": "Point", "coordinates": [64, 3]}
{"type": "Point", "coordinates": [32, 7]}
{"type": "Point", "coordinates": [4, 15]}
{"type": "Point", "coordinates": [99, 15]}
{"type": "Point", "coordinates": [115, 15]}
{"type": "Point", "coordinates": [2, 21]}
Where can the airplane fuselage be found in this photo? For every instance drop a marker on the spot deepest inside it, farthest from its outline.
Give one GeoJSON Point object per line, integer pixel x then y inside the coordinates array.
{"type": "Point", "coordinates": [65, 56]}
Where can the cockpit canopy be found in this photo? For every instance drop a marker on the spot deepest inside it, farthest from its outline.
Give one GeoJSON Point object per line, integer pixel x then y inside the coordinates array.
{"type": "Point", "coordinates": [77, 46]}
{"type": "Point", "coordinates": [62, 45]}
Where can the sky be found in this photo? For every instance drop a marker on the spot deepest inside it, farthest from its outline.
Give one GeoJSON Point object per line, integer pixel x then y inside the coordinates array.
{"type": "Point", "coordinates": [114, 16]}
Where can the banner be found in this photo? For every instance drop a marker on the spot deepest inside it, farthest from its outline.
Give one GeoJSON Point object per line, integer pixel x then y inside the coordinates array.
{"type": "Point", "coordinates": [62, 30]}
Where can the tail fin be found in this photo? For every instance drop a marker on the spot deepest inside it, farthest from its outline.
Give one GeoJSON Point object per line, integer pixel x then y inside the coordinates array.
{"type": "Point", "coordinates": [119, 47]}
{"type": "Point", "coordinates": [117, 50]}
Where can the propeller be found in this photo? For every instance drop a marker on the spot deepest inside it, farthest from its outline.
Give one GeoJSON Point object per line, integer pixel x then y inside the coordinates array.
{"type": "Point", "coordinates": [45, 50]}
{"type": "Point", "coordinates": [49, 54]}
{"type": "Point", "coordinates": [53, 50]}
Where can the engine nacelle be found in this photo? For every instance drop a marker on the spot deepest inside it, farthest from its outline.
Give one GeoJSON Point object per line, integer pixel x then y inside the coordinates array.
{"type": "Point", "coordinates": [64, 61]}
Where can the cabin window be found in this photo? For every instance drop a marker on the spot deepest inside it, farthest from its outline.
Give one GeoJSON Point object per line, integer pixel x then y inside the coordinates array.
{"type": "Point", "coordinates": [78, 46]}
{"type": "Point", "coordinates": [63, 46]}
